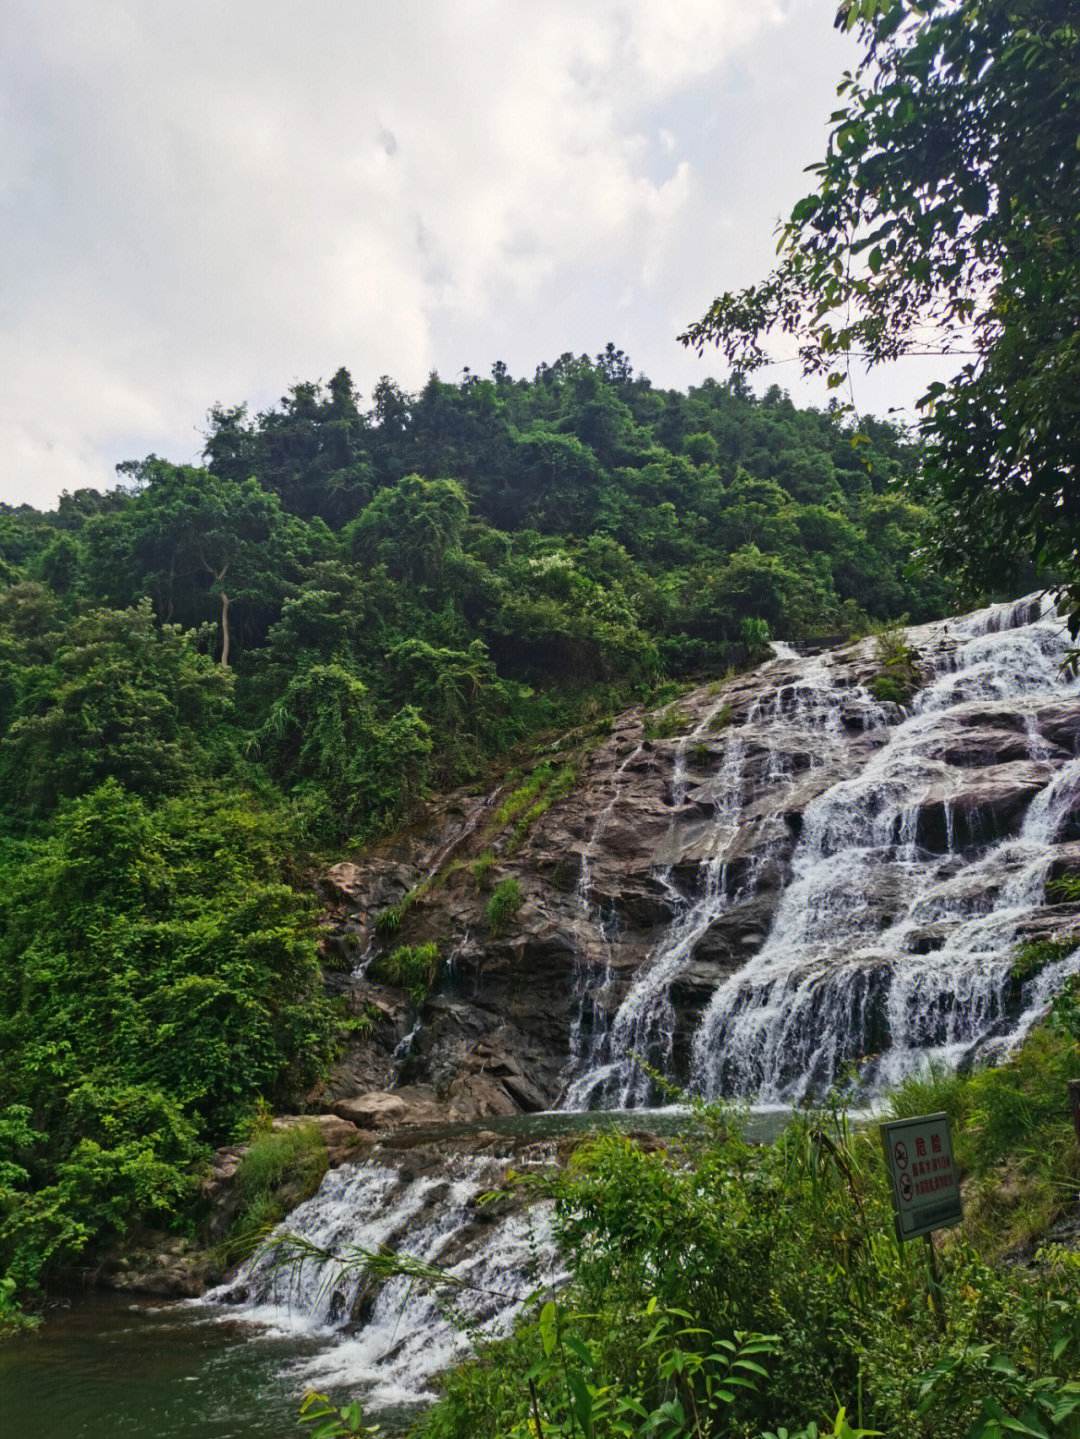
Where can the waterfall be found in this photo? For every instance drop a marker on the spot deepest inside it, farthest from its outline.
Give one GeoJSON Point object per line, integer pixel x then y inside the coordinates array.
{"type": "Point", "coordinates": [589, 1025]}
{"type": "Point", "coordinates": [643, 1026]}
{"type": "Point", "coordinates": [899, 904]}
{"type": "Point", "coordinates": [389, 1339]}
{"type": "Point", "coordinates": [889, 948]}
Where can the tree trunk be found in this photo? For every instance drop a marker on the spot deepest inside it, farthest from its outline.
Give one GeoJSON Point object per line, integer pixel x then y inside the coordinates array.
{"type": "Point", "coordinates": [225, 602]}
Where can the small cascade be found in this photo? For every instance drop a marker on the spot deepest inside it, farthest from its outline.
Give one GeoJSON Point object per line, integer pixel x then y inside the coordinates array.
{"type": "Point", "coordinates": [389, 1339]}
{"type": "Point", "coordinates": [644, 1022]}
{"type": "Point", "coordinates": [891, 943]}
{"type": "Point", "coordinates": [589, 1025]}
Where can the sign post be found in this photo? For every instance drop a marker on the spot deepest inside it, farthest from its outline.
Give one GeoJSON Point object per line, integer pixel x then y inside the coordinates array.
{"type": "Point", "coordinates": [925, 1185]}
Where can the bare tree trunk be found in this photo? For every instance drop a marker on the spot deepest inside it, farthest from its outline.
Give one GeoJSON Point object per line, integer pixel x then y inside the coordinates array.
{"type": "Point", "coordinates": [218, 577]}
{"type": "Point", "coordinates": [225, 602]}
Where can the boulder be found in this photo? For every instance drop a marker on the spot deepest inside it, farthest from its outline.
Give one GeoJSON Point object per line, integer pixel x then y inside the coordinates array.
{"type": "Point", "coordinates": [389, 1109]}
{"type": "Point", "coordinates": [346, 881]}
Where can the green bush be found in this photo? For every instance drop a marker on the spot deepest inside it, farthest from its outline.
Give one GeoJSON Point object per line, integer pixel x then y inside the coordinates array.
{"type": "Point", "coordinates": [721, 719]}
{"type": "Point", "coordinates": [1066, 888]}
{"type": "Point", "coordinates": [482, 867]}
{"type": "Point", "coordinates": [411, 967]}
{"type": "Point", "coordinates": [685, 1260]}
{"type": "Point", "coordinates": [279, 1169]}
{"type": "Point", "coordinates": [667, 723]}
{"type": "Point", "coordinates": [899, 676]}
{"type": "Point", "coordinates": [158, 979]}
{"type": "Point", "coordinates": [886, 689]}
{"type": "Point", "coordinates": [505, 901]}
{"type": "Point", "coordinates": [1032, 957]}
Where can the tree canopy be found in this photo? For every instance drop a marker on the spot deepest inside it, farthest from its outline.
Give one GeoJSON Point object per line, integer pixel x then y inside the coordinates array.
{"type": "Point", "coordinates": [945, 220]}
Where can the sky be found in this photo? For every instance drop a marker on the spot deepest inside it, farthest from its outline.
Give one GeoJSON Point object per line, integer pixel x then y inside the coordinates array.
{"type": "Point", "coordinates": [208, 200]}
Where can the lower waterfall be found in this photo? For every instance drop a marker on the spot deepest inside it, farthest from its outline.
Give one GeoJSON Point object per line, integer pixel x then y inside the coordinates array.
{"type": "Point", "coordinates": [391, 1338]}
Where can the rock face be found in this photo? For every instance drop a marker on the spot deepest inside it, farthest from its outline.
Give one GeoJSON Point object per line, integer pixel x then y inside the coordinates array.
{"type": "Point", "coordinates": [768, 881]}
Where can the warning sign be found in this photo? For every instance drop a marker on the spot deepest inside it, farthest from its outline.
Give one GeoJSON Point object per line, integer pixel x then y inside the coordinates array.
{"type": "Point", "coordinates": [925, 1184]}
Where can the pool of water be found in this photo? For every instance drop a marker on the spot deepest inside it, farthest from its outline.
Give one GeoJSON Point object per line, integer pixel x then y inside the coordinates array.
{"type": "Point", "coordinates": [761, 1124]}
{"type": "Point", "coordinates": [104, 1367]}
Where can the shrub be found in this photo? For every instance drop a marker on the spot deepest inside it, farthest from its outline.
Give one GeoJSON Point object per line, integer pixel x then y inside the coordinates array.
{"type": "Point", "coordinates": [1032, 957]}
{"type": "Point", "coordinates": [411, 967]}
{"type": "Point", "coordinates": [503, 905]}
{"type": "Point", "coordinates": [899, 677]}
{"type": "Point", "coordinates": [677, 1263]}
{"type": "Point", "coordinates": [721, 719]}
{"type": "Point", "coordinates": [1065, 889]}
{"type": "Point", "coordinates": [481, 868]}
{"type": "Point", "coordinates": [667, 723]}
{"type": "Point", "coordinates": [388, 921]}
{"type": "Point", "coordinates": [560, 783]}
{"type": "Point", "coordinates": [280, 1169]}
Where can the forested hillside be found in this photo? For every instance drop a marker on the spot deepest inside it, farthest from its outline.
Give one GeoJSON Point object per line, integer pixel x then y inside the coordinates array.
{"type": "Point", "coordinates": [210, 672]}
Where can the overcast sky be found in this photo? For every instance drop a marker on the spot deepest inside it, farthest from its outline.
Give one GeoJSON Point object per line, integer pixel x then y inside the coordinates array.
{"type": "Point", "coordinates": [207, 200]}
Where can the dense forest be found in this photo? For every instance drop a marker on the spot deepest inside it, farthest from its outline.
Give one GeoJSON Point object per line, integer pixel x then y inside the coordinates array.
{"type": "Point", "coordinates": [209, 674]}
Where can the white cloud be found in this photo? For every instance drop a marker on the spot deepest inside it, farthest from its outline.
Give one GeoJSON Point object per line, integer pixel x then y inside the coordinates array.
{"type": "Point", "coordinates": [204, 201]}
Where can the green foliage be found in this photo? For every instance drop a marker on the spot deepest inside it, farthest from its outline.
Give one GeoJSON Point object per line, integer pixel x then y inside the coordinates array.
{"type": "Point", "coordinates": [1032, 957]}
{"type": "Point", "coordinates": [886, 689]}
{"type": "Point", "coordinates": [525, 805]}
{"type": "Point", "coordinates": [1011, 1400]}
{"type": "Point", "coordinates": [1065, 888]}
{"type": "Point", "coordinates": [944, 222]}
{"type": "Point", "coordinates": [361, 1025]}
{"type": "Point", "coordinates": [506, 899]}
{"type": "Point", "coordinates": [119, 697]}
{"type": "Point", "coordinates": [156, 977]}
{"type": "Point", "coordinates": [775, 1265]}
{"type": "Point", "coordinates": [351, 772]}
{"type": "Point", "coordinates": [667, 723]}
{"type": "Point", "coordinates": [411, 527]}
{"type": "Point", "coordinates": [388, 921]}
{"type": "Point", "coordinates": [481, 868]}
{"type": "Point", "coordinates": [13, 1318]}
{"type": "Point", "coordinates": [840, 1429]}
{"type": "Point", "coordinates": [721, 719]}
{"type": "Point", "coordinates": [682, 1382]}
{"type": "Point", "coordinates": [412, 967]}
{"type": "Point", "coordinates": [332, 1421]}
{"type": "Point", "coordinates": [1012, 1117]}
{"type": "Point", "coordinates": [1065, 1011]}
{"type": "Point", "coordinates": [899, 676]}
{"type": "Point", "coordinates": [520, 800]}
{"type": "Point", "coordinates": [279, 1169]}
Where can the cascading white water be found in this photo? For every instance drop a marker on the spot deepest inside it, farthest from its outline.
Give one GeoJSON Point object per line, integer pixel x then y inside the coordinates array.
{"type": "Point", "coordinates": [644, 1023]}
{"type": "Point", "coordinates": [887, 950]}
{"type": "Point", "coordinates": [391, 1339]}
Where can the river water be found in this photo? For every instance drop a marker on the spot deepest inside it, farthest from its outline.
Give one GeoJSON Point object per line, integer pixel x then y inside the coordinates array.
{"type": "Point", "coordinates": [102, 1367]}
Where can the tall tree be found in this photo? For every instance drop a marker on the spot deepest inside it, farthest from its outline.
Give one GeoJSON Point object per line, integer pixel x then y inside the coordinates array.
{"type": "Point", "coordinates": [945, 219]}
{"type": "Point", "coordinates": [199, 545]}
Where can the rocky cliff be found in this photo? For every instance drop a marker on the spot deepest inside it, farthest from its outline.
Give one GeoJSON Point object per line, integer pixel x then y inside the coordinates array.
{"type": "Point", "coordinates": [777, 881]}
